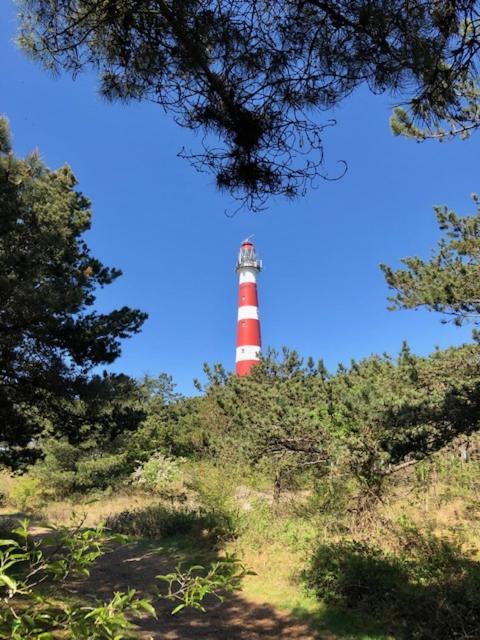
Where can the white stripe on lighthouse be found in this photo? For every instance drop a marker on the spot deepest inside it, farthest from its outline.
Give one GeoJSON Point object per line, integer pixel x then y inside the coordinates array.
{"type": "Point", "coordinates": [248, 312]}
{"type": "Point", "coordinates": [248, 352]}
{"type": "Point", "coordinates": [247, 275]}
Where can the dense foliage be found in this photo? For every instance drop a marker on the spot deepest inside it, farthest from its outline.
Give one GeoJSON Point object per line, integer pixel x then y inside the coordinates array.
{"type": "Point", "coordinates": [289, 421]}
{"type": "Point", "coordinates": [49, 335]}
{"type": "Point", "coordinates": [449, 281]}
{"type": "Point", "coordinates": [256, 75]}
{"type": "Point", "coordinates": [369, 420]}
{"type": "Point", "coordinates": [426, 574]}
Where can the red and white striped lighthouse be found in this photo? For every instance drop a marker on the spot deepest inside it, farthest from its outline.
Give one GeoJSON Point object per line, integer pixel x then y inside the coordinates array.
{"type": "Point", "coordinates": [248, 326]}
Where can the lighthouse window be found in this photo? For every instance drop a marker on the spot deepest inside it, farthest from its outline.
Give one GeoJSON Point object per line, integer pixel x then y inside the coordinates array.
{"type": "Point", "coordinates": [243, 323]}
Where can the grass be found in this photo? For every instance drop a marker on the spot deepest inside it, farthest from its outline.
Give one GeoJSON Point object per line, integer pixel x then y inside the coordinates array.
{"type": "Point", "coordinates": [95, 509]}
{"type": "Point", "coordinates": [277, 582]}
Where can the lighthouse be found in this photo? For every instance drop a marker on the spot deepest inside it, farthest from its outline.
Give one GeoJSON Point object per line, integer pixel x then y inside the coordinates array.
{"type": "Point", "coordinates": [248, 323]}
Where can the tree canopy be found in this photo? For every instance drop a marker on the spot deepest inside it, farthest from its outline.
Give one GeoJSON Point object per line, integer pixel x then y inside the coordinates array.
{"type": "Point", "coordinates": [368, 420]}
{"type": "Point", "coordinates": [449, 282]}
{"type": "Point", "coordinates": [254, 76]}
{"type": "Point", "coordinates": [50, 335]}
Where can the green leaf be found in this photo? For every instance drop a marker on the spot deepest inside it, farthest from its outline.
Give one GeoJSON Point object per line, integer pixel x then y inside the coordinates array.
{"type": "Point", "coordinates": [178, 608]}
{"type": "Point", "coordinates": [9, 543]}
{"type": "Point", "coordinates": [9, 582]}
{"type": "Point", "coordinates": [148, 607]}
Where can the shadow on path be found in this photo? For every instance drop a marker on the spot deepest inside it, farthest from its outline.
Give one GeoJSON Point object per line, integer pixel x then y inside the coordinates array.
{"type": "Point", "coordinates": [234, 619]}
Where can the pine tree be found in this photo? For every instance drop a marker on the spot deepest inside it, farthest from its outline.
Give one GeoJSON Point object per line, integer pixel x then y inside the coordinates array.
{"type": "Point", "coordinates": [50, 336]}
{"type": "Point", "coordinates": [449, 282]}
{"type": "Point", "coordinates": [259, 75]}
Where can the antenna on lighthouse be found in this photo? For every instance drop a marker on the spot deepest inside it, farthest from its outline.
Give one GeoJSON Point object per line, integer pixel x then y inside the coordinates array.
{"type": "Point", "coordinates": [248, 323]}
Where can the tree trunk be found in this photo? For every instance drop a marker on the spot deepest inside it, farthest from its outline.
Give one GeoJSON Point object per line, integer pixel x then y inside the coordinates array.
{"type": "Point", "coordinates": [277, 488]}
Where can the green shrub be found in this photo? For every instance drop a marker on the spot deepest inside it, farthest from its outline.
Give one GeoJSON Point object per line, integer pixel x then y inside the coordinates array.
{"type": "Point", "coordinates": [157, 521]}
{"type": "Point", "coordinates": [330, 504]}
{"type": "Point", "coordinates": [159, 474]}
{"type": "Point", "coordinates": [266, 524]}
{"type": "Point", "coordinates": [26, 494]}
{"type": "Point", "coordinates": [7, 480]}
{"type": "Point", "coordinates": [353, 574]}
{"type": "Point", "coordinates": [99, 471]}
{"type": "Point", "coordinates": [428, 590]}
{"type": "Point", "coordinates": [215, 492]}
{"type": "Point", "coordinates": [67, 469]}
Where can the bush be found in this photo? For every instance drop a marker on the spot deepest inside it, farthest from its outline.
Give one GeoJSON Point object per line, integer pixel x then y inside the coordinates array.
{"type": "Point", "coordinates": [25, 493]}
{"type": "Point", "coordinates": [6, 483]}
{"type": "Point", "coordinates": [67, 469]}
{"type": "Point", "coordinates": [428, 590]}
{"type": "Point", "coordinates": [158, 521]}
{"type": "Point", "coordinates": [353, 574]}
{"type": "Point", "coordinates": [331, 504]}
{"type": "Point", "coordinates": [267, 524]}
{"type": "Point", "coordinates": [160, 474]}
{"type": "Point", "coordinates": [215, 491]}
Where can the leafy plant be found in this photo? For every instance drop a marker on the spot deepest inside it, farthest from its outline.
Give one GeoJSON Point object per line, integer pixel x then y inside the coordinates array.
{"type": "Point", "coordinates": [25, 493]}
{"type": "Point", "coordinates": [33, 571]}
{"type": "Point", "coordinates": [160, 474]}
{"type": "Point", "coordinates": [190, 587]}
{"type": "Point", "coordinates": [158, 521]}
{"type": "Point", "coordinates": [426, 574]}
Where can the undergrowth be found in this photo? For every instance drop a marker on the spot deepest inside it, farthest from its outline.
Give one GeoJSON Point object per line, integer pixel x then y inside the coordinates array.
{"type": "Point", "coordinates": [157, 521]}
{"type": "Point", "coordinates": [429, 589]}
{"type": "Point", "coordinates": [361, 583]}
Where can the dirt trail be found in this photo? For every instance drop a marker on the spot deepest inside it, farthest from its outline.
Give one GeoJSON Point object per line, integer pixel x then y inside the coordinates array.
{"type": "Point", "coordinates": [234, 619]}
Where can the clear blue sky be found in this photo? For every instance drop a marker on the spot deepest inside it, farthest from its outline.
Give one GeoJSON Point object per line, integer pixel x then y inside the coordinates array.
{"type": "Point", "coordinates": [164, 225]}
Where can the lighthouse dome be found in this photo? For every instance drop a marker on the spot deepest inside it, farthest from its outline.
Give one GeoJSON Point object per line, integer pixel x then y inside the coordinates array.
{"type": "Point", "coordinates": [247, 256]}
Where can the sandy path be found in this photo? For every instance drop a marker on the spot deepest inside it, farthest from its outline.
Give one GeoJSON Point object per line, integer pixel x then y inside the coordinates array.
{"type": "Point", "coordinates": [234, 619]}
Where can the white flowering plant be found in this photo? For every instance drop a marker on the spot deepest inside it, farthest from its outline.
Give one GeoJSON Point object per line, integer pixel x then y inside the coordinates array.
{"type": "Point", "coordinates": [159, 474]}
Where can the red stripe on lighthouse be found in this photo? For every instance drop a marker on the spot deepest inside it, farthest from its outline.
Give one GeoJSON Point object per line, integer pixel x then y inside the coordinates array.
{"type": "Point", "coordinates": [248, 332]}
{"type": "Point", "coordinates": [247, 294]}
{"type": "Point", "coordinates": [244, 367]}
